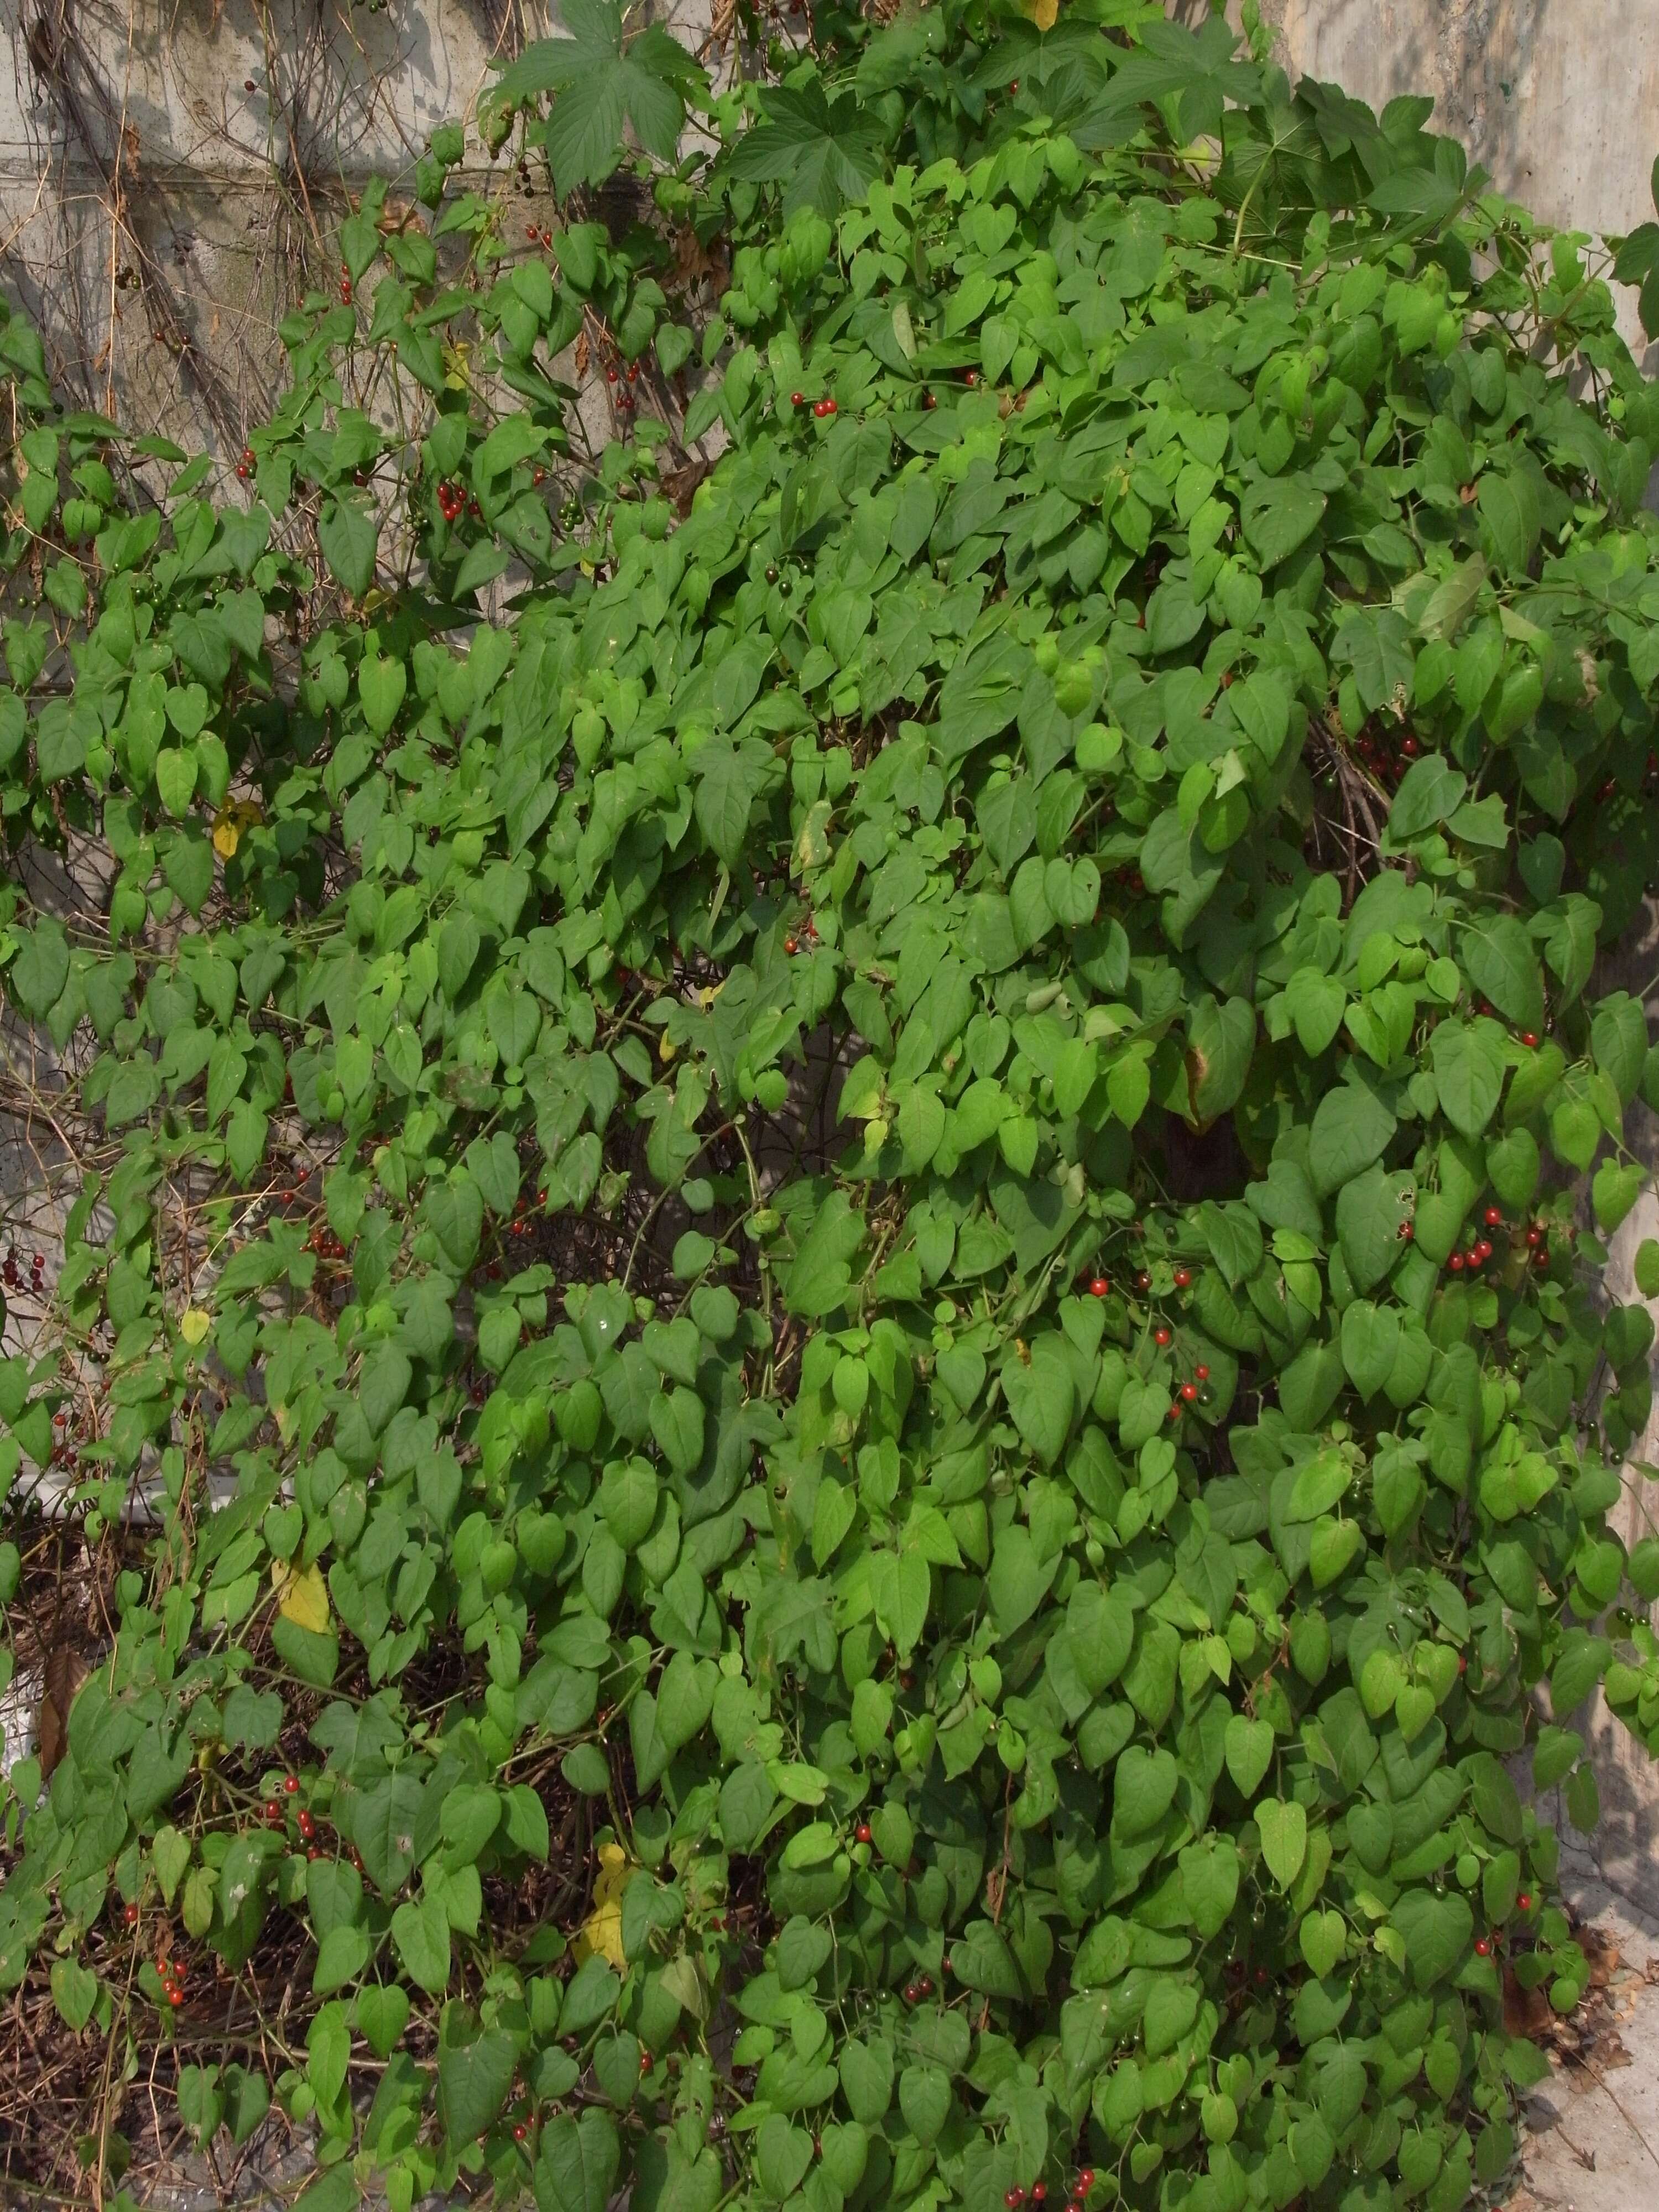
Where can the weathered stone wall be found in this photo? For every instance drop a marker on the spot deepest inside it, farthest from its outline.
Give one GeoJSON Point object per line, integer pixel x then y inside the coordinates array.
{"type": "Point", "coordinates": [171, 176]}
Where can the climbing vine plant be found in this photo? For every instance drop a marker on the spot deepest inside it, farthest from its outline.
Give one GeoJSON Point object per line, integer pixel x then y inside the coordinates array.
{"type": "Point", "coordinates": [826, 1308]}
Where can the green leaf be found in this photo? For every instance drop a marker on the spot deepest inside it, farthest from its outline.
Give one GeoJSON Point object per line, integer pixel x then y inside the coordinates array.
{"type": "Point", "coordinates": [603, 78]}
{"type": "Point", "coordinates": [38, 974]}
{"type": "Point", "coordinates": [1430, 792]}
{"type": "Point", "coordinates": [74, 1991]}
{"type": "Point", "coordinates": [576, 2165]}
{"type": "Point", "coordinates": [825, 157]}
{"type": "Point", "coordinates": [1435, 1930]}
{"type": "Point", "coordinates": [1498, 955]}
{"type": "Point", "coordinates": [1040, 1394]}
{"type": "Point", "coordinates": [474, 2080]}
{"type": "Point", "coordinates": [1284, 1827]}
{"type": "Point", "coordinates": [421, 1935]}
{"type": "Point", "coordinates": [1470, 1074]}
{"type": "Point", "coordinates": [1350, 1127]}
{"type": "Point", "coordinates": [1250, 1751]}
{"type": "Point", "coordinates": [1615, 1188]}
{"type": "Point", "coordinates": [382, 2013]}
{"type": "Point", "coordinates": [349, 536]}
{"type": "Point", "coordinates": [1316, 1004]}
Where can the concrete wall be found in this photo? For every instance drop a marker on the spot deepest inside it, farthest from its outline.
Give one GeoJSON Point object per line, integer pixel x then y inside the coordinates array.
{"type": "Point", "coordinates": [1557, 99]}
{"type": "Point", "coordinates": [171, 175]}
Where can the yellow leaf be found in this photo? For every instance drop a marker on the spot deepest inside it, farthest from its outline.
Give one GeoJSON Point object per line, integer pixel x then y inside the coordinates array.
{"type": "Point", "coordinates": [194, 1324]}
{"type": "Point", "coordinates": [301, 1598]}
{"type": "Point", "coordinates": [1043, 13]}
{"type": "Point", "coordinates": [601, 1933]}
{"type": "Point", "coordinates": [665, 1048]}
{"type": "Point", "coordinates": [231, 822]}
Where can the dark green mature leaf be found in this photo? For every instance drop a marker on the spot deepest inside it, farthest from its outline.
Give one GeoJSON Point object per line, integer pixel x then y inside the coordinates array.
{"type": "Point", "coordinates": [826, 156]}
{"type": "Point", "coordinates": [603, 78]}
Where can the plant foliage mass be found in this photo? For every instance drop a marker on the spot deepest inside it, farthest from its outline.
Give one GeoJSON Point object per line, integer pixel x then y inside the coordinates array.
{"type": "Point", "coordinates": [847, 1269]}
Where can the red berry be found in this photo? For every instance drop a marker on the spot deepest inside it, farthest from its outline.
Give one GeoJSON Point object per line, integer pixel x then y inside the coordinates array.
{"type": "Point", "coordinates": [1530, 1037]}
{"type": "Point", "coordinates": [1485, 1248]}
{"type": "Point", "coordinates": [1099, 1287]}
{"type": "Point", "coordinates": [175, 1996]}
{"type": "Point", "coordinates": [1143, 1281]}
{"type": "Point", "coordinates": [1202, 1373]}
{"type": "Point", "coordinates": [1013, 2197]}
{"type": "Point", "coordinates": [1175, 1409]}
{"type": "Point", "coordinates": [1183, 1276]}
{"type": "Point", "coordinates": [911, 1993]}
{"type": "Point", "coordinates": [1189, 1391]}
{"type": "Point", "coordinates": [1494, 1217]}
{"type": "Point", "coordinates": [1410, 748]}
{"type": "Point", "coordinates": [1160, 1336]}
{"type": "Point", "coordinates": [797, 399]}
{"type": "Point", "coordinates": [1039, 2192]}
{"type": "Point", "coordinates": [247, 84]}
{"type": "Point", "coordinates": [864, 1833]}
{"type": "Point", "coordinates": [313, 1853]}
{"type": "Point", "coordinates": [290, 1783]}
{"type": "Point", "coordinates": [928, 400]}
{"type": "Point", "coordinates": [519, 2131]}
{"type": "Point", "coordinates": [1085, 2180]}
{"type": "Point", "coordinates": [792, 945]}
{"type": "Point", "coordinates": [1541, 1258]}
{"type": "Point", "coordinates": [1534, 1238]}
{"type": "Point", "coordinates": [829, 407]}
{"type": "Point", "coordinates": [1407, 1232]}
{"type": "Point", "coordinates": [971, 378]}
{"type": "Point", "coordinates": [1482, 1948]}
{"type": "Point", "coordinates": [1462, 1662]}
{"type": "Point", "coordinates": [1456, 1263]}
{"type": "Point", "coordinates": [1524, 1902]}
{"type": "Point", "coordinates": [273, 1810]}
{"type": "Point", "coordinates": [130, 1914]}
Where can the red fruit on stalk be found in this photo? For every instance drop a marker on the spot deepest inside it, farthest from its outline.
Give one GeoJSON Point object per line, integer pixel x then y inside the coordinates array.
{"type": "Point", "coordinates": [1160, 1337]}
{"type": "Point", "coordinates": [1099, 1287]}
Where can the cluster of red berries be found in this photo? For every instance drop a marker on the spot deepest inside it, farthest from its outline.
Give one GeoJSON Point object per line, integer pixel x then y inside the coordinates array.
{"type": "Point", "coordinates": [915, 1991]}
{"type": "Point", "coordinates": [324, 1244]}
{"type": "Point", "coordinates": [821, 408]}
{"type": "Point", "coordinates": [1082, 2183]}
{"type": "Point", "coordinates": [172, 1980]}
{"type": "Point", "coordinates": [451, 501]}
{"type": "Point", "coordinates": [1387, 762]}
{"type": "Point", "coordinates": [345, 284]}
{"type": "Point", "coordinates": [810, 933]}
{"type": "Point", "coordinates": [13, 1278]}
{"type": "Point", "coordinates": [538, 237]}
{"type": "Point", "coordinates": [1130, 879]}
{"type": "Point", "coordinates": [245, 466]}
{"type": "Point", "coordinates": [1476, 1254]}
